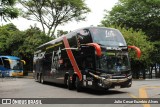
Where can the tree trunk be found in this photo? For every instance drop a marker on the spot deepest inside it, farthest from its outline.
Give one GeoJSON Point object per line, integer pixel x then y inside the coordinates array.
{"type": "Point", "coordinates": [144, 73]}
{"type": "Point", "coordinates": [151, 72]}
{"type": "Point", "coordinates": [54, 29]}
{"type": "Point", "coordinates": [156, 74]}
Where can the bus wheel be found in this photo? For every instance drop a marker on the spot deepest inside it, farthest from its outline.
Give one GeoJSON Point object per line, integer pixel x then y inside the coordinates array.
{"type": "Point", "coordinates": [39, 78]}
{"type": "Point", "coordinates": [42, 79]}
{"type": "Point", "coordinates": [78, 84]}
{"type": "Point", "coordinates": [36, 77]}
{"type": "Point", "coordinates": [69, 83]}
{"type": "Point", "coordinates": [65, 81]}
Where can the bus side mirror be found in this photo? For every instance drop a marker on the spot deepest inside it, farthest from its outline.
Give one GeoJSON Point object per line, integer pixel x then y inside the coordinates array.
{"type": "Point", "coordinates": [24, 62]}
{"type": "Point", "coordinates": [137, 50]}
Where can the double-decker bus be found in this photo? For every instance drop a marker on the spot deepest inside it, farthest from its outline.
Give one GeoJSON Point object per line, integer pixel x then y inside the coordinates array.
{"type": "Point", "coordinates": [11, 66]}
{"type": "Point", "coordinates": [93, 57]}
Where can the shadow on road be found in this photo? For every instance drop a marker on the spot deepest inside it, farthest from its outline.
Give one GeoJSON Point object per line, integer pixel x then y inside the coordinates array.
{"type": "Point", "coordinates": [88, 90]}
{"type": "Point", "coordinates": [102, 92]}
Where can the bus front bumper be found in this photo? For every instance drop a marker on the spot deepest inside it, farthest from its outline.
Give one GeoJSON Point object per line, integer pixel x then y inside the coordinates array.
{"type": "Point", "coordinates": [112, 82]}
{"type": "Point", "coordinates": [17, 73]}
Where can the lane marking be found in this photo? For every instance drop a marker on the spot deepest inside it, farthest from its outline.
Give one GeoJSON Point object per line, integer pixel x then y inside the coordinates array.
{"type": "Point", "coordinates": [143, 93]}
{"type": "Point", "coordinates": [131, 95]}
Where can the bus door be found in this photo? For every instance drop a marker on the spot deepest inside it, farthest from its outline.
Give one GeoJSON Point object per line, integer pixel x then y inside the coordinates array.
{"type": "Point", "coordinates": [87, 59]}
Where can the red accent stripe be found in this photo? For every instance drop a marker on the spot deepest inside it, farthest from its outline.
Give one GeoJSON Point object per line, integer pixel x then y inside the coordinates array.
{"type": "Point", "coordinates": [72, 59]}
{"type": "Point", "coordinates": [97, 47]}
{"type": "Point", "coordinates": [137, 50]}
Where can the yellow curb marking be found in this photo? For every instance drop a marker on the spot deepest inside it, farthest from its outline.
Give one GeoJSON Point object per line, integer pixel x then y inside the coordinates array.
{"type": "Point", "coordinates": [143, 93]}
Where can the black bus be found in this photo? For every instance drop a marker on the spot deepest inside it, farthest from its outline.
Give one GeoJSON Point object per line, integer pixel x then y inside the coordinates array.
{"type": "Point", "coordinates": [92, 57]}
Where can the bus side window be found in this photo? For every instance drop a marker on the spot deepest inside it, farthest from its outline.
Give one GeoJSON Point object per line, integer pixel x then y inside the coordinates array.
{"type": "Point", "coordinates": [1, 63]}
{"type": "Point", "coordinates": [68, 64]}
{"type": "Point", "coordinates": [6, 63]}
{"type": "Point", "coordinates": [84, 36]}
{"type": "Point", "coordinates": [72, 40]}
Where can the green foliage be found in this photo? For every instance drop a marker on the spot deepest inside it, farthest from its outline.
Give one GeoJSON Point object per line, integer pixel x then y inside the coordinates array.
{"type": "Point", "coordinates": [61, 32]}
{"type": "Point", "coordinates": [51, 13]}
{"type": "Point", "coordinates": [156, 54]}
{"type": "Point", "coordinates": [136, 14]}
{"type": "Point", "coordinates": [7, 35]}
{"type": "Point", "coordinates": [33, 38]}
{"type": "Point", "coordinates": [21, 44]}
{"type": "Point", "coordinates": [7, 10]}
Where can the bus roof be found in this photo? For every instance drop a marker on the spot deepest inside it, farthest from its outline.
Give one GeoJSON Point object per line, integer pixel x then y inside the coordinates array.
{"type": "Point", "coordinates": [59, 38]}
{"type": "Point", "coordinates": [10, 57]}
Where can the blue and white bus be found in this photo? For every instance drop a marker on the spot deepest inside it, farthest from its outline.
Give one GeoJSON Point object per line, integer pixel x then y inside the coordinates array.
{"type": "Point", "coordinates": [11, 66]}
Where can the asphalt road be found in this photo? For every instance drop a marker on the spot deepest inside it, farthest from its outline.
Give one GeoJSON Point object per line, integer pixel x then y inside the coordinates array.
{"type": "Point", "coordinates": [28, 88]}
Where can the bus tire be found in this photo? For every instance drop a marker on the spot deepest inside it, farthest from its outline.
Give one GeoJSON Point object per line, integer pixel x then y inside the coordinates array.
{"type": "Point", "coordinates": [39, 77]}
{"type": "Point", "coordinates": [42, 79]}
{"type": "Point", "coordinates": [65, 81]}
{"type": "Point", "coordinates": [78, 84]}
{"type": "Point", "coordinates": [69, 83]}
{"type": "Point", "coordinates": [36, 77]}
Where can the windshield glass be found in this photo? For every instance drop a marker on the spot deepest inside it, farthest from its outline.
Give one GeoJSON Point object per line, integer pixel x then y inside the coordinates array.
{"type": "Point", "coordinates": [108, 37]}
{"type": "Point", "coordinates": [16, 65]}
{"type": "Point", "coordinates": [114, 62]}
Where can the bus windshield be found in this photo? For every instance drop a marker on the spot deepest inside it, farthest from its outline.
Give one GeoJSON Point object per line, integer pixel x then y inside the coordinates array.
{"type": "Point", "coordinates": [108, 37]}
{"type": "Point", "coordinates": [114, 62]}
{"type": "Point", "coordinates": [16, 65]}
{"type": "Point", "coordinates": [13, 64]}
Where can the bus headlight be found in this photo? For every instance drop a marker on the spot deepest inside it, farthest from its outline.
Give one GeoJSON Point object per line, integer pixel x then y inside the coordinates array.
{"type": "Point", "coordinates": [129, 77]}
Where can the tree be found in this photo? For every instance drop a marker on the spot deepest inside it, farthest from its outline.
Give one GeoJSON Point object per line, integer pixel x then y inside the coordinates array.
{"type": "Point", "coordinates": [7, 9]}
{"type": "Point", "coordinates": [136, 14]}
{"type": "Point", "coordinates": [51, 13]}
{"type": "Point", "coordinates": [10, 39]}
{"type": "Point", "coordinates": [21, 43]}
{"type": "Point", "coordinates": [33, 37]}
{"type": "Point", "coordinates": [61, 32]}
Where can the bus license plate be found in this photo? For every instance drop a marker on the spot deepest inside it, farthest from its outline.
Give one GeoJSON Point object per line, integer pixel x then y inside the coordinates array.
{"type": "Point", "coordinates": [117, 87]}
{"type": "Point", "coordinates": [89, 82]}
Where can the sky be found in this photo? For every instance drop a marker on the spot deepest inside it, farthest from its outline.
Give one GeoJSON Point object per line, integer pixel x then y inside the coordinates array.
{"type": "Point", "coordinates": [93, 18]}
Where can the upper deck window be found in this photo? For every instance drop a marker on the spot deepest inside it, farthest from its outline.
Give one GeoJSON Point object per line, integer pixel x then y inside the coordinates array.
{"type": "Point", "coordinates": [107, 37]}
{"type": "Point", "coordinates": [84, 36]}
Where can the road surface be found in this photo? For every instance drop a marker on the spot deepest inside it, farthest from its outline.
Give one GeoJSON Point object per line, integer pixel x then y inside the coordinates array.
{"type": "Point", "coordinates": [28, 88]}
